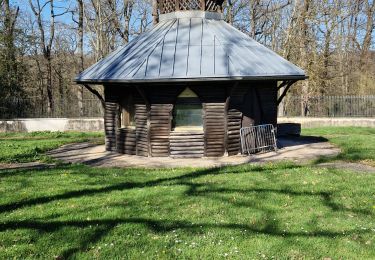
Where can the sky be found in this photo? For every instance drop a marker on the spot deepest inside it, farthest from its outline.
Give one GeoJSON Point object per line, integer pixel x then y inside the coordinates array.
{"type": "Point", "coordinates": [60, 4]}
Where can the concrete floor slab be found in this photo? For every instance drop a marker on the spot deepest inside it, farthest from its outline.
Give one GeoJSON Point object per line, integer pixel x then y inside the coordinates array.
{"type": "Point", "coordinates": [298, 149]}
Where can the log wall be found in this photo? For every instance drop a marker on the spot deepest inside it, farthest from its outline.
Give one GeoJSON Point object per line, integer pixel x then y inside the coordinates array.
{"type": "Point", "coordinates": [142, 129]}
{"type": "Point", "coordinates": [234, 118]}
{"type": "Point", "coordinates": [226, 108]}
{"type": "Point", "coordinates": [188, 144]}
{"type": "Point", "coordinates": [126, 141]}
{"type": "Point", "coordinates": [213, 99]}
{"type": "Point", "coordinates": [110, 118]}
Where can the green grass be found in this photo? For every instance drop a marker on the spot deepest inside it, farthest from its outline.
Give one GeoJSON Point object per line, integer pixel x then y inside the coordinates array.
{"type": "Point", "coordinates": [274, 211]}
{"type": "Point", "coordinates": [29, 147]}
{"type": "Point", "coordinates": [357, 143]}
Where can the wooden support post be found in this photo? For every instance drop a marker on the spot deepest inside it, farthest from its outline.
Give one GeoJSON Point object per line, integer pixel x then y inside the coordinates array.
{"type": "Point", "coordinates": [288, 85]}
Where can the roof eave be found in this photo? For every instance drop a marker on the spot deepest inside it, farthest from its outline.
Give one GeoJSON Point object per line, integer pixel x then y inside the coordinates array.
{"type": "Point", "coordinates": [197, 79]}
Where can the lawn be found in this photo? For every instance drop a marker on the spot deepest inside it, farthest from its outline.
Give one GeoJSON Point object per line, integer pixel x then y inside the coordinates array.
{"type": "Point", "coordinates": [271, 211]}
{"type": "Point", "coordinates": [30, 147]}
{"type": "Point", "coordinates": [357, 143]}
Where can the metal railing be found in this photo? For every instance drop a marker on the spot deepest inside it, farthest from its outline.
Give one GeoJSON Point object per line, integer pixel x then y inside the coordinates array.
{"type": "Point", "coordinates": [260, 138]}
{"type": "Point", "coordinates": [329, 106]}
{"type": "Point", "coordinates": [294, 106]}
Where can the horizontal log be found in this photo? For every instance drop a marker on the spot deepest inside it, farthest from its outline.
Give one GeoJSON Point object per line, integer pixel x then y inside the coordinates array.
{"type": "Point", "coordinates": [160, 148]}
{"type": "Point", "coordinates": [160, 155]}
{"type": "Point", "coordinates": [187, 156]}
{"type": "Point", "coordinates": [160, 138]}
{"type": "Point", "coordinates": [213, 104]}
{"type": "Point", "coordinates": [126, 137]}
{"type": "Point", "coordinates": [236, 145]}
{"type": "Point", "coordinates": [234, 114]}
{"type": "Point", "coordinates": [214, 148]}
{"type": "Point", "coordinates": [160, 105]}
{"type": "Point", "coordinates": [213, 129]}
{"type": "Point", "coordinates": [174, 133]}
{"type": "Point", "coordinates": [159, 151]}
{"type": "Point", "coordinates": [184, 148]}
{"type": "Point", "coordinates": [213, 113]}
{"type": "Point", "coordinates": [130, 153]}
{"type": "Point", "coordinates": [183, 152]}
{"type": "Point", "coordinates": [161, 123]}
{"type": "Point", "coordinates": [214, 123]}
{"type": "Point", "coordinates": [186, 142]}
{"type": "Point", "coordinates": [231, 123]}
{"type": "Point", "coordinates": [212, 136]}
{"type": "Point", "coordinates": [214, 118]}
{"type": "Point", "coordinates": [187, 139]}
{"type": "Point", "coordinates": [192, 136]}
{"type": "Point", "coordinates": [159, 132]}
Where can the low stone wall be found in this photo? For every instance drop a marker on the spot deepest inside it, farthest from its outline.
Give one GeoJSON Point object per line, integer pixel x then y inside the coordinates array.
{"type": "Point", "coordinates": [309, 122]}
{"type": "Point", "coordinates": [52, 124]}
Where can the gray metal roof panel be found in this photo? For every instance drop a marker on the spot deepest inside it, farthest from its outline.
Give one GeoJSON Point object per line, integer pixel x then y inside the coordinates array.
{"type": "Point", "coordinates": [190, 48]}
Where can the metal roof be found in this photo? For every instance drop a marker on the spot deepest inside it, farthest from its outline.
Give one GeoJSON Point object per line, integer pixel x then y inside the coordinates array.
{"type": "Point", "coordinates": [187, 46]}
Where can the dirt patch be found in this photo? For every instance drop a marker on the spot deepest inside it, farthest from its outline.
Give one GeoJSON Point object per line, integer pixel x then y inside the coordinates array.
{"type": "Point", "coordinates": [22, 166]}
{"type": "Point", "coordinates": [356, 167]}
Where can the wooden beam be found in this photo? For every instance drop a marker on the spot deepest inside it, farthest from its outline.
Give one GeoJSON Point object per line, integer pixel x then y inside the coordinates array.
{"type": "Point", "coordinates": [287, 87]}
{"type": "Point", "coordinates": [283, 84]}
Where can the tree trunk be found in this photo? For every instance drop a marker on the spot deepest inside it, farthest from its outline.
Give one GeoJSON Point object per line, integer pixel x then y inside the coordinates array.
{"type": "Point", "coordinates": [304, 55]}
{"type": "Point", "coordinates": [81, 58]}
{"type": "Point", "coordinates": [49, 86]}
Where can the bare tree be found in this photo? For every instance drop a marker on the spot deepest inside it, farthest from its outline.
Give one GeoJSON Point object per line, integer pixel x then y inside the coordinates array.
{"type": "Point", "coordinates": [46, 41]}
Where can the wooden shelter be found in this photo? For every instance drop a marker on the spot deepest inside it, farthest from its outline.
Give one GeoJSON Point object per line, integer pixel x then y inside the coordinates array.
{"type": "Point", "coordinates": [187, 86]}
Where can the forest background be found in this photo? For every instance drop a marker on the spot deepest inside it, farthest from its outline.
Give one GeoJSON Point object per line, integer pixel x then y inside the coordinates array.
{"type": "Point", "coordinates": [44, 44]}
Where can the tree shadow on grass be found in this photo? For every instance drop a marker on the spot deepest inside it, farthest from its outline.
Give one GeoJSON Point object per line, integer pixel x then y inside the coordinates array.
{"type": "Point", "coordinates": [124, 185]}
{"type": "Point", "coordinates": [104, 226]}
